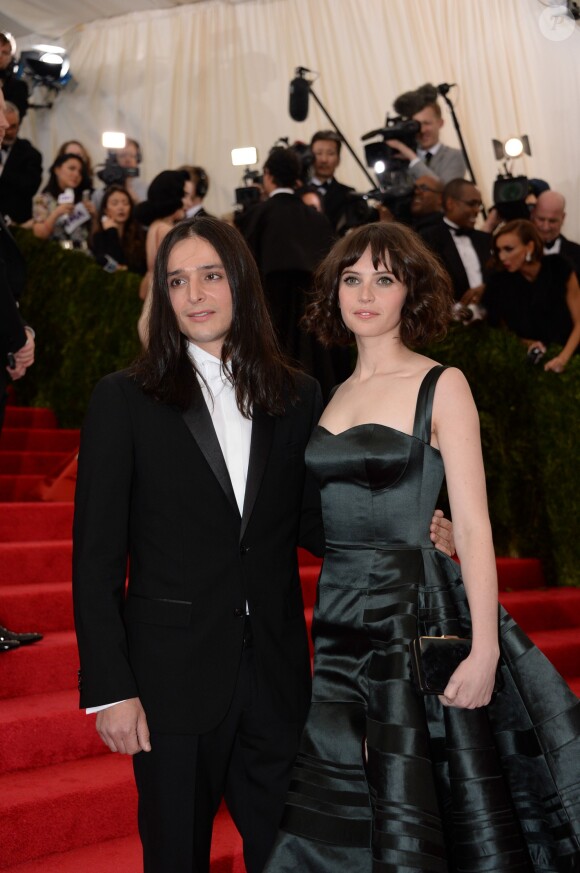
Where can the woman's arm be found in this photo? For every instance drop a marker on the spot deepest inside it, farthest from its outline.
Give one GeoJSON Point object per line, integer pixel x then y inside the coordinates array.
{"type": "Point", "coordinates": [44, 218]}
{"type": "Point", "coordinates": [456, 432]}
{"type": "Point", "coordinates": [558, 363]}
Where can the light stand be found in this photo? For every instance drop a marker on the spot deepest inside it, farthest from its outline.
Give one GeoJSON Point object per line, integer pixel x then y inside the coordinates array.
{"type": "Point", "coordinates": [342, 136]}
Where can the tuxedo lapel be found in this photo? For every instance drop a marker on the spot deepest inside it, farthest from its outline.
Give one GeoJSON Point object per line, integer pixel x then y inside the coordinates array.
{"type": "Point", "coordinates": [454, 263]}
{"type": "Point", "coordinates": [262, 436]}
{"type": "Point", "coordinates": [198, 420]}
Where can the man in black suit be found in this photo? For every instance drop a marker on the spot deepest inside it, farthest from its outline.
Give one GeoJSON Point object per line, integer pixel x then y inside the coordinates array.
{"type": "Point", "coordinates": [16, 338]}
{"type": "Point", "coordinates": [195, 191]}
{"type": "Point", "coordinates": [325, 146]}
{"type": "Point", "coordinates": [288, 240]}
{"type": "Point", "coordinates": [15, 90]}
{"type": "Point", "coordinates": [20, 170]}
{"type": "Point", "coordinates": [548, 215]}
{"type": "Point", "coordinates": [463, 250]}
{"type": "Point", "coordinates": [191, 468]}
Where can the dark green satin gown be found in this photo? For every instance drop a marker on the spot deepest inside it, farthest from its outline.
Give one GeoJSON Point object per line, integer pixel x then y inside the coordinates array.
{"type": "Point", "coordinates": [493, 790]}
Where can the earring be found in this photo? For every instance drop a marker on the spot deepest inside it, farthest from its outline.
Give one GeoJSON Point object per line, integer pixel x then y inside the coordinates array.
{"type": "Point", "coordinates": [528, 257]}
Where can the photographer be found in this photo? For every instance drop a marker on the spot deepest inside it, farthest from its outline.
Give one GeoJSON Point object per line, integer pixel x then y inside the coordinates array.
{"type": "Point", "coordinates": [122, 168]}
{"type": "Point", "coordinates": [431, 157]}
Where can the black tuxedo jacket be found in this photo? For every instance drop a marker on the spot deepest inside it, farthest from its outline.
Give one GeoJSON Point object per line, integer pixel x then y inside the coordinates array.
{"type": "Point", "coordinates": [570, 251]}
{"type": "Point", "coordinates": [440, 239]}
{"type": "Point", "coordinates": [285, 234]}
{"type": "Point", "coordinates": [12, 334]}
{"type": "Point", "coordinates": [335, 201]}
{"type": "Point", "coordinates": [20, 180]}
{"type": "Point", "coordinates": [153, 489]}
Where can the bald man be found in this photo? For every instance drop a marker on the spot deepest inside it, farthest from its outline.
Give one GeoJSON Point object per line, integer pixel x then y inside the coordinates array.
{"type": "Point", "coordinates": [548, 216]}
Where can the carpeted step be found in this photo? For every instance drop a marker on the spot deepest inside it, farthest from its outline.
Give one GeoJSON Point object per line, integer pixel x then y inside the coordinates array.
{"type": "Point", "coordinates": [44, 607]}
{"type": "Point", "coordinates": [39, 439]}
{"type": "Point", "coordinates": [562, 648]}
{"type": "Point", "coordinates": [19, 486]}
{"type": "Point", "coordinates": [309, 574]}
{"type": "Point", "coordinates": [25, 522]}
{"type": "Point", "coordinates": [35, 562]}
{"type": "Point", "coordinates": [124, 854]}
{"type": "Point", "coordinates": [50, 665]}
{"type": "Point", "coordinates": [29, 416]}
{"type": "Point", "coordinates": [544, 609]}
{"type": "Point", "coordinates": [63, 807]}
{"type": "Point", "coordinates": [44, 729]}
{"type": "Point", "coordinates": [45, 463]}
{"type": "Point", "coordinates": [516, 574]}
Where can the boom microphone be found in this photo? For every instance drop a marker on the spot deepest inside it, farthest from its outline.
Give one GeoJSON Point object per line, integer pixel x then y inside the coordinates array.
{"type": "Point", "coordinates": [299, 93]}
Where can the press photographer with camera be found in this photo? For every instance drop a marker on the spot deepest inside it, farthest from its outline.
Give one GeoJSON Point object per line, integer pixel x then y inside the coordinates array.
{"type": "Point", "coordinates": [121, 167]}
{"type": "Point", "coordinates": [430, 157]}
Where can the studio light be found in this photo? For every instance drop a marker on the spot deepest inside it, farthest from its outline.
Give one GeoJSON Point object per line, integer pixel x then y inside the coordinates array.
{"type": "Point", "coordinates": [513, 147]}
{"type": "Point", "coordinates": [46, 67]}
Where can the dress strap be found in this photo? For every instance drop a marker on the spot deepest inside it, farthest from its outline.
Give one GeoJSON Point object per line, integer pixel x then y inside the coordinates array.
{"type": "Point", "coordinates": [424, 409]}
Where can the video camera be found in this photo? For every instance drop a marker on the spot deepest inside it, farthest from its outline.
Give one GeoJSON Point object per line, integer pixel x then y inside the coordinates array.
{"type": "Point", "coordinates": [113, 174]}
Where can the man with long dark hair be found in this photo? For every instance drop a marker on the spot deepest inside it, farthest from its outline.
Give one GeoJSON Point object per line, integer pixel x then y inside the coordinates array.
{"type": "Point", "coordinates": [192, 467]}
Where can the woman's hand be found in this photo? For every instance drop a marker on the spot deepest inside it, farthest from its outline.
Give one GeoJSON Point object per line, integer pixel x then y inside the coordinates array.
{"type": "Point", "coordinates": [556, 365]}
{"type": "Point", "coordinates": [471, 686]}
{"type": "Point", "coordinates": [63, 209]}
{"type": "Point", "coordinates": [107, 223]}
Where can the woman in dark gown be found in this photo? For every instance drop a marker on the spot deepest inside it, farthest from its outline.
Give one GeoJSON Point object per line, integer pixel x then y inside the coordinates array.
{"type": "Point", "coordinates": [387, 779]}
{"type": "Point", "coordinates": [536, 296]}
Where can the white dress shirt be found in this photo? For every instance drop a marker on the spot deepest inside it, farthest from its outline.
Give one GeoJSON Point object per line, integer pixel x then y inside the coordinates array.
{"type": "Point", "coordinates": [234, 432]}
{"type": "Point", "coordinates": [467, 254]}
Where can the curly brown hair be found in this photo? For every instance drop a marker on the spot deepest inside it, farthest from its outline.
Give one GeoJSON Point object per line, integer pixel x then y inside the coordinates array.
{"type": "Point", "coordinates": [427, 308]}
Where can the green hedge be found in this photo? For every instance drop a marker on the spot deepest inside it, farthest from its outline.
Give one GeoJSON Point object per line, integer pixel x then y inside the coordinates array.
{"type": "Point", "coordinates": [530, 420]}
{"type": "Point", "coordinates": [86, 326]}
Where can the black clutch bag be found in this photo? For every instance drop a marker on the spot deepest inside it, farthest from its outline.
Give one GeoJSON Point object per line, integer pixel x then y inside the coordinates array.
{"type": "Point", "coordinates": [435, 659]}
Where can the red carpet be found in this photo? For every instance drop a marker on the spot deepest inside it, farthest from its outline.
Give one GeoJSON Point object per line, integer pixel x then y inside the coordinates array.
{"type": "Point", "coordinates": [66, 803]}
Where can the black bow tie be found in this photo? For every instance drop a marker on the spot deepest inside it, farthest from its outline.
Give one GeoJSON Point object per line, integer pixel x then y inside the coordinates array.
{"type": "Point", "coordinates": [462, 231]}
{"type": "Point", "coordinates": [551, 244]}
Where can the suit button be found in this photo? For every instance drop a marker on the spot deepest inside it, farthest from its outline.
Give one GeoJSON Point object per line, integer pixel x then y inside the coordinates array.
{"type": "Point", "coordinates": [244, 550]}
{"type": "Point", "coordinates": [239, 611]}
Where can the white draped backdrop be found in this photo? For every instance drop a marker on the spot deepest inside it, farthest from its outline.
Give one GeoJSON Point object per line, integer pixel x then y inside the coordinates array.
{"type": "Point", "coordinates": [193, 82]}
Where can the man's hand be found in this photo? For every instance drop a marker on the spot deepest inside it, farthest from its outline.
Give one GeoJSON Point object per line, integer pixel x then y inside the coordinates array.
{"type": "Point", "coordinates": [473, 295]}
{"type": "Point", "coordinates": [24, 357]}
{"type": "Point", "coordinates": [403, 151]}
{"type": "Point", "coordinates": [441, 533]}
{"type": "Point", "coordinates": [123, 727]}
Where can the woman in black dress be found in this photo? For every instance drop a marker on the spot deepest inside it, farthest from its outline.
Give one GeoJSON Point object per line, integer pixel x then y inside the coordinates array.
{"type": "Point", "coordinates": [120, 242]}
{"type": "Point", "coordinates": [387, 779]}
{"type": "Point", "coordinates": [536, 296]}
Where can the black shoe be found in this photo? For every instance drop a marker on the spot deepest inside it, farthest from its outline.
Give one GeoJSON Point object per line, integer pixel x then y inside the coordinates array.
{"type": "Point", "coordinates": [8, 645]}
{"type": "Point", "coordinates": [24, 639]}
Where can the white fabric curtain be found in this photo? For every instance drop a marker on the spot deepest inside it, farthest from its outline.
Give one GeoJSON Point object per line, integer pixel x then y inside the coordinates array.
{"type": "Point", "coordinates": [193, 82]}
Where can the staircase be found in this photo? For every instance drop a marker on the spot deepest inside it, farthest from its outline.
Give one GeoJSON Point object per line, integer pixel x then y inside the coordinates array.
{"type": "Point", "coordinates": [66, 803]}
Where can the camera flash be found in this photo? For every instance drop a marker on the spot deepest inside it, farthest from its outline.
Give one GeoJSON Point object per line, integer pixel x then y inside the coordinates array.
{"type": "Point", "coordinates": [112, 139]}
{"type": "Point", "coordinates": [244, 156]}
